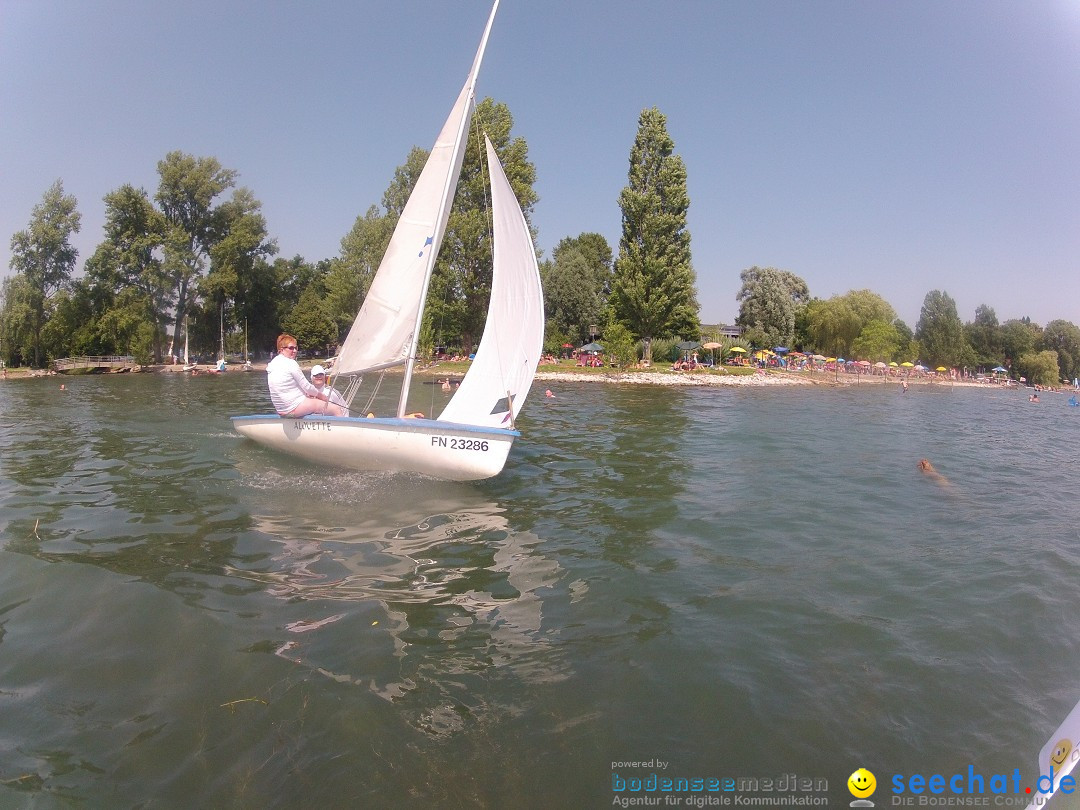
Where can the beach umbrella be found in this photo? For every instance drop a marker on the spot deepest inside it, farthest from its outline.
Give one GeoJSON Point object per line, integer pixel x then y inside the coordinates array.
{"type": "Point", "coordinates": [711, 345]}
{"type": "Point", "coordinates": [738, 349]}
{"type": "Point", "coordinates": [591, 347]}
{"type": "Point", "coordinates": [906, 364]}
{"type": "Point", "coordinates": [819, 357]}
{"type": "Point", "coordinates": [940, 368]}
{"type": "Point", "coordinates": [880, 364]}
{"type": "Point", "coordinates": [892, 364]}
{"type": "Point", "coordinates": [999, 370]}
{"type": "Point", "coordinates": [779, 349]}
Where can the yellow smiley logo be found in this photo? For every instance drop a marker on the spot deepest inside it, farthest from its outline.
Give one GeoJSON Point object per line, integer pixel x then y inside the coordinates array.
{"type": "Point", "coordinates": [1060, 752]}
{"type": "Point", "coordinates": [861, 783]}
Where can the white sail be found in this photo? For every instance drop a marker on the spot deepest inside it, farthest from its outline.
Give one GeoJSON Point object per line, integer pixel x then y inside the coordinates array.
{"type": "Point", "coordinates": [495, 387]}
{"type": "Point", "coordinates": [384, 333]}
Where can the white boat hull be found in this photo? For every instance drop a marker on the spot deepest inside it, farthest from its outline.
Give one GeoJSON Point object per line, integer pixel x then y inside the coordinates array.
{"type": "Point", "coordinates": [444, 450]}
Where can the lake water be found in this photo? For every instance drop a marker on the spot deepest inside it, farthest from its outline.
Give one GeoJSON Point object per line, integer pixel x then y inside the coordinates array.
{"type": "Point", "coordinates": [696, 583]}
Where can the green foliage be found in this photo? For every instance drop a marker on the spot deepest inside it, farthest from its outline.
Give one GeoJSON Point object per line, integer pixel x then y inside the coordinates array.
{"type": "Point", "coordinates": [1063, 338]}
{"type": "Point", "coordinates": [1018, 338]}
{"type": "Point", "coordinates": [868, 307]}
{"type": "Point", "coordinates": [1040, 368]}
{"type": "Point", "coordinates": [833, 325]}
{"type": "Point", "coordinates": [16, 331]}
{"type": "Point", "coordinates": [984, 337]}
{"type": "Point", "coordinates": [940, 332]}
{"type": "Point", "coordinates": [619, 345]}
{"type": "Point", "coordinates": [130, 260]}
{"type": "Point", "coordinates": [186, 192]}
{"type": "Point", "coordinates": [654, 288]}
{"type": "Point", "coordinates": [44, 256]}
{"type": "Point", "coordinates": [237, 260]}
{"type": "Point", "coordinates": [769, 301]}
{"type": "Point", "coordinates": [555, 338]}
{"type": "Point", "coordinates": [362, 250]}
{"type": "Point", "coordinates": [858, 323]}
{"type": "Point", "coordinates": [878, 340]}
{"type": "Point", "coordinates": [309, 321]}
{"type": "Point", "coordinates": [461, 282]}
{"type": "Point", "coordinates": [664, 350]}
{"type": "Point", "coordinates": [575, 285]}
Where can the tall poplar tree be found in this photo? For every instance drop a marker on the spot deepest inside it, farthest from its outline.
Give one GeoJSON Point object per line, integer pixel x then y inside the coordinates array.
{"type": "Point", "coordinates": [44, 256]}
{"type": "Point", "coordinates": [654, 289]}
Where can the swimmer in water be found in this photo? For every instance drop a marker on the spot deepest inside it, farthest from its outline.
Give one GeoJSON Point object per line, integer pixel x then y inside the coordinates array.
{"type": "Point", "coordinates": [928, 468]}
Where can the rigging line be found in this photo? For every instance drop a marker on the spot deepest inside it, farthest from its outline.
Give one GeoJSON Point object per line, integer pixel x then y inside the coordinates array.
{"type": "Point", "coordinates": [374, 391]}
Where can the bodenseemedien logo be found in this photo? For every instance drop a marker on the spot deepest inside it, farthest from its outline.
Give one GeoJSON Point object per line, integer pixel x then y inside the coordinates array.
{"type": "Point", "coordinates": [862, 785]}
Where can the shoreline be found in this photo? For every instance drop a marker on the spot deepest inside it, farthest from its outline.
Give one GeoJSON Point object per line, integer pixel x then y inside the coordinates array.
{"type": "Point", "coordinates": [771, 377]}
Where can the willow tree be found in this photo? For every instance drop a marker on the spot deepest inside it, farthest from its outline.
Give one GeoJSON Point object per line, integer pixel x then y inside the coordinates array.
{"type": "Point", "coordinates": [654, 290]}
{"type": "Point", "coordinates": [44, 256]}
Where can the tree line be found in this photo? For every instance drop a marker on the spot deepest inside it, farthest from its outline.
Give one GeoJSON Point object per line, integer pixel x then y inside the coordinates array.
{"type": "Point", "coordinates": [195, 262]}
{"type": "Point", "coordinates": [776, 309]}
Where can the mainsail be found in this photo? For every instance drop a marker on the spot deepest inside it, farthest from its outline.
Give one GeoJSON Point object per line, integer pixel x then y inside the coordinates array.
{"type": "Point", "coordinates": [384, 333]}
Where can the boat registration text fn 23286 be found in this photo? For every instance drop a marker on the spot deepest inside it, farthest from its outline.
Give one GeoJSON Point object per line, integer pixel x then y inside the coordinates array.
{"type": "Point", "coordinates": [454, 443]}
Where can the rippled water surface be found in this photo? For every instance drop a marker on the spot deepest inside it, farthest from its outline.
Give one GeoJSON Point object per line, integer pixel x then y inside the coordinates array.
{"type": "Point", "coordinates": [737, 582]}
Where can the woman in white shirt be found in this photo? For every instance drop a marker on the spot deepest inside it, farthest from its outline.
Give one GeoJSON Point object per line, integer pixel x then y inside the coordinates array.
{"type": "Point", "coordinates": [290, 391]}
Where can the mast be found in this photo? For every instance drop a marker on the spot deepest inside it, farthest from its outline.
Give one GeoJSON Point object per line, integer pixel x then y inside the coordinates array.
{"type": "Point", "coordinates": [448, 198]}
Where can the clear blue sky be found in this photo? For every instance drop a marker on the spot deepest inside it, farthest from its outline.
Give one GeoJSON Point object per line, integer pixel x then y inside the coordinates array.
{"type": "Point", "coordinates": [899, 146]}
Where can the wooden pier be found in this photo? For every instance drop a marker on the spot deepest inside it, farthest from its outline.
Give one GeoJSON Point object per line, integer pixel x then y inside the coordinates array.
{"type": "Point", "coordinates": [95, 365]}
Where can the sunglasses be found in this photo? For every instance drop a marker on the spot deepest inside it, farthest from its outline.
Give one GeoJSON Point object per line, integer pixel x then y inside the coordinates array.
{"type": "Point", "coordinates": [289, 347]}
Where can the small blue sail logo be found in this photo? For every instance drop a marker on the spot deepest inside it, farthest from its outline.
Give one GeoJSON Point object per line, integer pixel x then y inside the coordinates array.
{"type": "Point", "coordinates": [428, 241]}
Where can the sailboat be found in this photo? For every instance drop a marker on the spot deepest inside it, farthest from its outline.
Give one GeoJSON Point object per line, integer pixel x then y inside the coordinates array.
{"type": "Point", "coordinates": [471, 438]}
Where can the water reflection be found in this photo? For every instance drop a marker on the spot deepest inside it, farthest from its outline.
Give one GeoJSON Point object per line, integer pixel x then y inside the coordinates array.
{"type": "Point", "coordinates": [432, 575]}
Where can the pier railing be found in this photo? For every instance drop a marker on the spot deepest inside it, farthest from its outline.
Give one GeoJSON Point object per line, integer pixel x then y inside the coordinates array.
{"type": "Point", "coordinates": [112, 362]}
